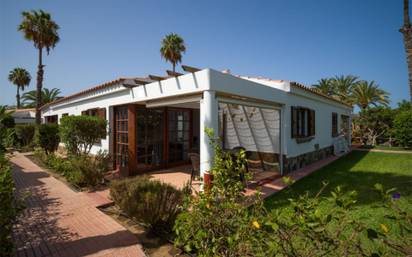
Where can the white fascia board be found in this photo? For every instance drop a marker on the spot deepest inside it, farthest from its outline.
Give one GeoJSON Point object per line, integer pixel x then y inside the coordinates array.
{"type": "Point", "coordinates": [229, 84]}
{"type": "Point", "coordinates": [174, 101]}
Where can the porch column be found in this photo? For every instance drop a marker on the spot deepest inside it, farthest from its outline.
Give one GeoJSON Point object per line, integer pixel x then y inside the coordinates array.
{"type": "Point", "coordinates": [209, 118]}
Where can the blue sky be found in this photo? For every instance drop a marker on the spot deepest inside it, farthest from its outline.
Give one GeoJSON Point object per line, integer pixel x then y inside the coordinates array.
{"type": "Point", "coordinates": [297, 40]}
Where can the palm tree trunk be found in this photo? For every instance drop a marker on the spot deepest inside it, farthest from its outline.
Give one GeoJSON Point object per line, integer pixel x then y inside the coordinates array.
{"type": "Point", "coordinates": [18, 97]}
{"type": "Point", "coordinates": [406, 30]}
{"type": "Point", "coordinates": [174, 67]}
{"type": "Point", "coordinates": [39, 86]}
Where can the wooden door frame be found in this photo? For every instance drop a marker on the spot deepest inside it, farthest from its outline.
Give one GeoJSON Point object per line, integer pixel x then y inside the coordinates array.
{"type": "Point", "coordinates": [132, 136]}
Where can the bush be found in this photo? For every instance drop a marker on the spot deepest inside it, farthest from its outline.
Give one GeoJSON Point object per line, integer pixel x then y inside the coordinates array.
{"type": "Point", "coordinates": [48, 137]}
{"type": "Point", "coordinates": [9, 138]}
{"type": "Point", "coordinates": [218, 222]}
{"type": "Point", "coordinates": [151, 202]}
{"type": "Point", "coordinates": [8, 121]}
{"type": "Point", "coordinates": [80, 133]}
{"type": "Point", "coordinates": [92, 168]}
{"type": "Point", "coordinates": [25, 134]}
{"type": "Point", "coordinates": [403, 128]}
{"type": "Point", "coordinates": [10, 207]}
{"type": "Point", "coordinates": [81, 171]}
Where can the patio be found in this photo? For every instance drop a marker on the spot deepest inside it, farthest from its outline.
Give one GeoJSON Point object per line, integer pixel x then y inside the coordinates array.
{"type": "Point", "coordinates": [180, 175]}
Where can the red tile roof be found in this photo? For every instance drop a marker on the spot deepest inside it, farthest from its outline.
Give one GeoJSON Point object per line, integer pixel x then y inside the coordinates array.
{"type": "Point", "coordinates": [86, 91]}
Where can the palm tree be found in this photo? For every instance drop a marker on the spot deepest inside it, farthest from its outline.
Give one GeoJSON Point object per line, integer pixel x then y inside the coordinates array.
{"type": "Point", "coordinates": [406, 30]}
{"type": "Point", "coordinates": [326, 86]}
{"type": "Point", "coordinates": [38, 27]}
{"type": "Point", "coordinates": [21, 78]}
{"type": "Point", "coordinates": [343, 86]}
{"type": "Point", "coordinates": [47, 96]}
{"type": "Point", "coordinates": [172, 49]}
{"type": "Point", "coordinates": [368, 93]}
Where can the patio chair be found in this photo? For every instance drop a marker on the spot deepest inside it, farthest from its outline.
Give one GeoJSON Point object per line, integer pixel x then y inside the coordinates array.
{"type": "Point", "coordinates": [195, 160]}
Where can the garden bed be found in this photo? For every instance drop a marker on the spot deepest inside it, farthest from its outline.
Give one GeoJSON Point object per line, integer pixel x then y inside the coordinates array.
{"type": "Point", "coordinates": [52, 172]}
{"type": "Point", "coordinates": [153, 244]}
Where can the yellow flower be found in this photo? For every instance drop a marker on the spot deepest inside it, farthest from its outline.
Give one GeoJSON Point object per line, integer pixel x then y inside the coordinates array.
{"type": "Point", "coordinates": [384, 228]}
{"type": "Point", "coordinates": [256, 224]}
{"type": "Point", "coordinates": [207, 206]}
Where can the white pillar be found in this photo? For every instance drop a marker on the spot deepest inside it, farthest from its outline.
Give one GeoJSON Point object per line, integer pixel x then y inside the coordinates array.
{"type": "Point", "coordinates": [209, 118]}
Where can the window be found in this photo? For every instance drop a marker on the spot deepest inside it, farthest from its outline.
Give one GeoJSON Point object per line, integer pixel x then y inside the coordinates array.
{"type": "Point", "coordinates": [303, 122]}
{"type": "Point", "coordinates": [51, 119]}
{"type": "Point", "coordinates": [345, 126]}
{"type": "Point", "coordinates": [96, 112]}
{"type": "Point", "coordinates": [99, 112]}
{"type": "Point", "coordinates": [334, 124]}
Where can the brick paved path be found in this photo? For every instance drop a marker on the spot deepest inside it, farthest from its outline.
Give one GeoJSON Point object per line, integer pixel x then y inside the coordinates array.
{"type": "Point", "coordinates": [60, 222]}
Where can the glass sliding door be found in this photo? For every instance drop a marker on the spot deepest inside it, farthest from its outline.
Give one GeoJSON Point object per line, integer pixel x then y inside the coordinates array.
{"type": "Point", "coordinates": [179, 134]}
{"type": "Point", "coordinates": [149, 134]}
{"type": "Point", "coordinates": [121, 136]}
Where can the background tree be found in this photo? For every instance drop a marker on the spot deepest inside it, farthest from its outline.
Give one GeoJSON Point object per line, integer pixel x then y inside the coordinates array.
{"type": "Point", "coordinates": [326, 86]}
{"type": "Point", "coordinates": [404, 106]}
{"type": "Point", "coordinates": [373, 123]}
{"type": "Point", "coordinates": [47, 96]}
{"type": "Point", "coordinates": [406, 30]}
{"type": "Point", "coordinates": [343, 86]}
{"type": "Point", "coordinates": [403, 128]}
{"type": "Point", "coordinates": [172, 49]}
{"type": "Point", "coordinates": [366, 93]}
{"type": "Point", "coordinates": [38, 27]}
{"type": "Point", "coordinates": [20, 78]}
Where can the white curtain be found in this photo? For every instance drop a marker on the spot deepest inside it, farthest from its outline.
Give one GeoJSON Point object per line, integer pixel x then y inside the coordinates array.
{"type": "Point", "coordinates": [255, 129]}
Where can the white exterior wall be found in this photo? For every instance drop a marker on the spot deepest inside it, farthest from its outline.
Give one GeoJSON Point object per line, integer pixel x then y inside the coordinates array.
{"type": "Point", "coordinates": [289, 96]}
{"type": "Point", "coordinates": [323, 121]}
{"type": "Point", "coordinates": [281, 95]}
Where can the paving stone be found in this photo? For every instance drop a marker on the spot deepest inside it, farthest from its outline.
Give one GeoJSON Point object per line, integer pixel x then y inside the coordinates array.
{"type": "Point", "coordinates": [60, 222]}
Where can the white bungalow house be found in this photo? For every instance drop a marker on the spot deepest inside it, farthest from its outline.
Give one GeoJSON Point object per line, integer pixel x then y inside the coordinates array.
{"type": "Point", "coordinates": [154, 122]}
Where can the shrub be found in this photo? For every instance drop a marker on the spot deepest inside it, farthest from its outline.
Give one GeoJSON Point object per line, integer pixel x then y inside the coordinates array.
{"type": "Point", "coordinates": [219, 223]}
{"type": "Point", "coordinates": [25, 134]}
{"type": "Point", "coordinates": [10, 207]}
{"type": "Point", "coordinates": [8, 121]}
{"type": "Point", "coordinates": [48, 137]}
{"type": "Point", "coordinates": [152, 202]}
{"type": "Point", "coordinates": [80, 133]}
{"type": "Point", "coordinates": [9, 137]}
{"type": "Point", "coordinates": [81, 171]}
{"type": "Point", "coordinates": [403, 128]}
{"type": "Point", "coordinates": [5, 125]}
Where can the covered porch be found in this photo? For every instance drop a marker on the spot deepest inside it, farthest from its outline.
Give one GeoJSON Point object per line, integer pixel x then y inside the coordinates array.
{"type": "Point", "coordinates": [156, 137]}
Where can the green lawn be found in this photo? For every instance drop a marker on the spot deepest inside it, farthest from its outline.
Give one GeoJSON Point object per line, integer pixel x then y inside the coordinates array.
{"type": "Point", "coordinates": [358, 171]}
{"type": "Point", "coordinates": [389, 148]}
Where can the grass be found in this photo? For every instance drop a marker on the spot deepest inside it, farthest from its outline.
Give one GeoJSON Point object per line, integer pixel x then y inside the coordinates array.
{"type": "Point", "coordinates": [389, 148]}
{"type": "Point", "coordinates": [358, 171]}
